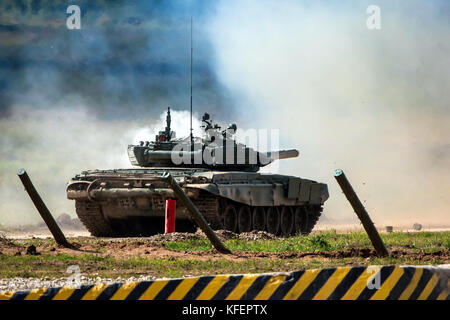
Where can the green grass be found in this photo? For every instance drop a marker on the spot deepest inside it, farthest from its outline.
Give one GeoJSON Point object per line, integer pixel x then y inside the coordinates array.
{"type": "Point", "coordinates": [326, 241]}
{"type": "Point", "coordinates": [91, 265]}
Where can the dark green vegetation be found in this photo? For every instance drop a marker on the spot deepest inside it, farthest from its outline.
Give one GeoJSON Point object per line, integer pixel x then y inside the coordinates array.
{"type": "Point", "coordinates": [327, 241]}
{"type": "Point", "coordinates": [132, 257]}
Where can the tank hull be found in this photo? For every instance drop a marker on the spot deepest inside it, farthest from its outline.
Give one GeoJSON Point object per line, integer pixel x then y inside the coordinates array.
{"type": "Point", "coordinates": [131, 202]}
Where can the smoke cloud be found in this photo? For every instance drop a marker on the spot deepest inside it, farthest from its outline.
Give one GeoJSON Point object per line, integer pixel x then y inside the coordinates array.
{"type": "Point", "coordinates": [72, 100]}
{"type": "Point", "coordinates": [54, 145]}
{"type": "Point", "coordinates": [372, 102]}
{"type": "Point", "coordinates": [126, 59]}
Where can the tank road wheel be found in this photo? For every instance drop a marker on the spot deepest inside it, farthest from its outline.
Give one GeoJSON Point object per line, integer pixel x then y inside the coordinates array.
{"type": "Point", "coordinates": [259, 218]}
{"type": "Point", "coordinates": [230, 220]}
{"type": "Point", "coordinates": [301, 221]}
{"type": "Point", "coordinates": [273, 220]}
{"type": "Point", "coordinates": [313, 213]}
{"type": "Point", "coordinates": [244, 219]}
{"type": "Point", "coordinates": [287, 221]}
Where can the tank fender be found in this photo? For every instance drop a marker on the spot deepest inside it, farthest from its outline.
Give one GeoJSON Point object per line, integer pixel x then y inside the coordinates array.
{"type": "Point", "coordinates": [319, 193]}
{"type": "Point", "coordinates": [296, 191]}
{"type": "Point", "coordinates": [209, 187]}
{"type": "Point", "coordinates": [250, 194]}
{"type": "Point", "coordinates": [77, 190]}
{"type": "Point", "coordinates": [294, 188]}
{"type": "Point", "coordinates": [307, 191]}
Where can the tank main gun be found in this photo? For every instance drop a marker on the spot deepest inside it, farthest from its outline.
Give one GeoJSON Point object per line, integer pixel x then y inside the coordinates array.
{"type": "Point", "coordinates": [282, 154]}
{"type": "Point", "coordinates": [266, 158]}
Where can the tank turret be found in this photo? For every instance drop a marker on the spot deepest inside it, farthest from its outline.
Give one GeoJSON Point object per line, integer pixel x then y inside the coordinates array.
{"type": "Point", "coordinates": [217, 150]}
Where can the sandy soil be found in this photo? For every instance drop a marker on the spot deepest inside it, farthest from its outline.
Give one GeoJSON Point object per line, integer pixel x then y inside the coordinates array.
{"type": "Point", "coordinates": [346, 228]}
{"type": "Point", "coordinates": [42, 232]}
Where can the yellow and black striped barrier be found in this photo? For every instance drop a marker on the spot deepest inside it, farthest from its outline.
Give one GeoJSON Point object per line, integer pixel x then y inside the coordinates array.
{"type": "Point", "coordinates": [346, 283]}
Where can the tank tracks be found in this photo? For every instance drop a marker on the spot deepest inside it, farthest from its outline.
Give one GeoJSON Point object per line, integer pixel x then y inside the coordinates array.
{"type": "Point", "coordinates": [313, 218]}
{"type": "Point", "coordinates": [209, 206]}
{"type": "Point", "coordinates": [90, 214]}
{"type": "Point", "coordinates": [220, 214]}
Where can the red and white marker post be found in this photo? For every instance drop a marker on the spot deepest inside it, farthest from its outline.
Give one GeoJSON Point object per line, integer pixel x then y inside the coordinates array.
{"type": "Point", "coordinates": [170, 216]}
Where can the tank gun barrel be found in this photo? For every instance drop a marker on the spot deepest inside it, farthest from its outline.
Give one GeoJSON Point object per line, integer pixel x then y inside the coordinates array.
{"type": "Point", "coordinates": [282, 154]}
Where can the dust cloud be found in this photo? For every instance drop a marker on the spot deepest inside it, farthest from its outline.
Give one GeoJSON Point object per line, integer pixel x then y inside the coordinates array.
{"type": "Point", "coordinates": [372, 102]}
{"type": "Point", "coordinates": [55, 144]}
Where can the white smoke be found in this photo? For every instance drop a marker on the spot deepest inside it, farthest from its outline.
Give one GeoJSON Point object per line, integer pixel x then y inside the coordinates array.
{"type": "Point", "coordinates": [180, 124]}
{"type": "Point", "coordinates": [374, 103]}
{"type": "Point", "coordinates": [54, 145]}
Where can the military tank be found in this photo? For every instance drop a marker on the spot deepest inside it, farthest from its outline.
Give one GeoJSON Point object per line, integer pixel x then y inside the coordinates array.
{"type": "Point", "coordinates": [217, 173]}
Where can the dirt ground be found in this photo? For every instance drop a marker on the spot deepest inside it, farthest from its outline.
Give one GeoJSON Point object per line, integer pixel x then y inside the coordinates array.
{"type": "Point", "coordinates": [153, 247]}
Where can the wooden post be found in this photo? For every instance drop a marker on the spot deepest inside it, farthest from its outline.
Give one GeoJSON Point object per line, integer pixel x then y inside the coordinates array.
{"type": "Point", "coordinates": [195, 214]}
{"type": "Point", "coordinates": [43, 210]}
{"type": "Point", "coordinates": [361, 213]}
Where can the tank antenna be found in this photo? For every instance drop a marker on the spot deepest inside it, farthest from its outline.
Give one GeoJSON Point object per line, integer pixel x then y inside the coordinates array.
{"type": "Point", "coordinates": [192, 137]}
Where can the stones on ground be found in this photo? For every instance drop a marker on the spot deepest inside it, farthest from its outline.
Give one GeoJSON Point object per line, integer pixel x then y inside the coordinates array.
{"type": "Point", "coordinates": [257, 235]}
{"type": "Point", "coordinates": [31, 250]}
{"type": "Point", "coordinates": [20, 283]}
{"type": "Point", "coordinates": [226, 235]}
{"type": "Point", "coordinates": [223, 235]}
{"type": "Point", "coordinates": [417, 226]}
